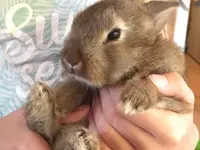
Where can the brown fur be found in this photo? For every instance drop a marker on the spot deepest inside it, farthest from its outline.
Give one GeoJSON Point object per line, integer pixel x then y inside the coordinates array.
{"type": "Point", "coordinates": [139, 52]}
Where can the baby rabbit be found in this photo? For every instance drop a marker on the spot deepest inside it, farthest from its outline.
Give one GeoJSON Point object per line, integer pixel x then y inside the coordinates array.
{"type": "Point", "coordinates": [112, 42]}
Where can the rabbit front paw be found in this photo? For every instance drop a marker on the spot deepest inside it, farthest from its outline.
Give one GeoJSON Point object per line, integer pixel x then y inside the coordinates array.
{"type": "Point", "coordinates": [40, 110]}
{"type": "Point", "coordinates": [75, 137]}
{"type": "Point", "coordinates": [138, 96]}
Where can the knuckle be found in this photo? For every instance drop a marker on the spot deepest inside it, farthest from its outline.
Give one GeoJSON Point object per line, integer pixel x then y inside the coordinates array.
{"type": "Point", "coordinates": [178, 79]}
{"type": "Point", "coordinates": [175, 139]}
{"type": "Point", "coordinates": [102, 126]}
{"type": "Point", "coordinates": [182, 86]}
{"type": "Point", "coordinates": [174, 136]}
{"type": "Point", "coordinates": [196, 134]}
{"type": "Point", "coordinates": [190, 95]}
{"type": "Point", "coordinates": [171, 144]}
{"type": "Point", "coordinates": [110, 116]}
{"type": "Point", "coordinates": [175, 74]}
{"type": "Point", "coordinates": [103, 130]}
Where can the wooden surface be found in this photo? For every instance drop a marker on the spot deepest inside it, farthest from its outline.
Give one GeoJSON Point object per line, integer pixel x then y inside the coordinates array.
{"type": "Point", "coordinates": [193, 69]}
{"type": "Point", "coordinates": [194, 32]}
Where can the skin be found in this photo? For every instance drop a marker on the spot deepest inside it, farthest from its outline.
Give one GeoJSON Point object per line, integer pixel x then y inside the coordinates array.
{"type": "Point", "coordinates": [169, 131]}
{"type": "Point", "coordinates": [127, 132]}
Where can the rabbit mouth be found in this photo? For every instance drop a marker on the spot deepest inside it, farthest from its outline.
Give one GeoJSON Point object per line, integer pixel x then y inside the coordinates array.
{"type": "Point", "coordinates": [87, 81]}
{"type": "Point", "coordinates": [81, 79]}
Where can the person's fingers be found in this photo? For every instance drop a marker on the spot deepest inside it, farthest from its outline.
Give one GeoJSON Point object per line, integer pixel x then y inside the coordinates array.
{"type": "Point", "coordinates": [104, 146]}
{"type": "Point", "coordinates": [169, 84]}
{"type": "Point", "coordinates": [172, 84]}
{"type": "Point", "coordinates": [108, 134]}
{"type": "Point", "coordinates": [189, 140]}
{"type": "Point", "coordinates": [76, 115]}
{"type": "Point", "coordinates": [92, 128]}
{"type": "Point", "coordinates": [141, 140]}
{"type": "Point", "coordinates": [167, 127]}
{"type": "Point", "coordinates": [37, 142]}
{"type": "Point", "coordinates": [18, 135]}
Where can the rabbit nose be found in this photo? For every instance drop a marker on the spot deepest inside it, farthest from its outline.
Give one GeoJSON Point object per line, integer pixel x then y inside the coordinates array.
{"type": "Point", "coordinates": [76, 65]}
{"type": "Point", "coordinates": [73, 59]}
{"type": "Point", "coordinates": [73, 66]}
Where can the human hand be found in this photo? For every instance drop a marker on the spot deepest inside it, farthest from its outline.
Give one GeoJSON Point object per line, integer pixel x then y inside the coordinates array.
{"type": "Point", "coordinates": [161, 132]}
{"type": "Point", "coordinates": [153, 130]}
{"type": "Point", "coordinates": [15, 135]}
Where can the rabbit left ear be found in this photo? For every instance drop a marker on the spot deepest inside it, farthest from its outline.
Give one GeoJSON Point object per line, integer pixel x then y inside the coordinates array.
{"type": "Point", "coordinates": [162, 10]}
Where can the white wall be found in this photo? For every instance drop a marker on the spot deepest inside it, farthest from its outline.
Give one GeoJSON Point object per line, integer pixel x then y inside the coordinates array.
{"type": "Point", "coordinates": [181, 25]}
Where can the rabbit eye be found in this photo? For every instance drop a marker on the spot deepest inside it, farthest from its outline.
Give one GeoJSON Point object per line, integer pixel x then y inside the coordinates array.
{"type": "Point", "coordinates": [114, 34]}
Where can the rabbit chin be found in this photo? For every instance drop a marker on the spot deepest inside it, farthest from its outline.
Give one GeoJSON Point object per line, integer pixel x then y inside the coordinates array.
{"type": "Point", "coordinates": [86, 81]}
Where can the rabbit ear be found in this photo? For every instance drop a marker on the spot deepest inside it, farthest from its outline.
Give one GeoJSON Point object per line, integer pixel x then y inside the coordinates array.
{"type": "Point", "coordinates": [162, 10]}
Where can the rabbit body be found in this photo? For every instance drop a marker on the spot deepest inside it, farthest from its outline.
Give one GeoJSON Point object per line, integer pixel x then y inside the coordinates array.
{"type": "Point", "coordinates": [112, 42]}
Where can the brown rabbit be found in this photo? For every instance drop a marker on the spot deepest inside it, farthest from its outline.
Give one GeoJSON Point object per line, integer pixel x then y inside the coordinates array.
{"type": "Point", "coordinates": [111, 42]}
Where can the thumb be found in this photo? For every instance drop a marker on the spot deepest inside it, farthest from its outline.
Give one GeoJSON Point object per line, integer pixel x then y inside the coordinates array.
{"type": "Point", "coordinates": [172, 84]}
{"type": "Point", "coordinates": [78, 114]}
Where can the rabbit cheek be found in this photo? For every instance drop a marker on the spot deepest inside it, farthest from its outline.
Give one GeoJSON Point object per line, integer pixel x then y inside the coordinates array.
{"type": "Point", "coordinates": [95, 73]}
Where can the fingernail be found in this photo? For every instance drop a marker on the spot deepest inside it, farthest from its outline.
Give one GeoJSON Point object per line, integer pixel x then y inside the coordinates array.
{"type": "Point", "coordinates": [159, 80]}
